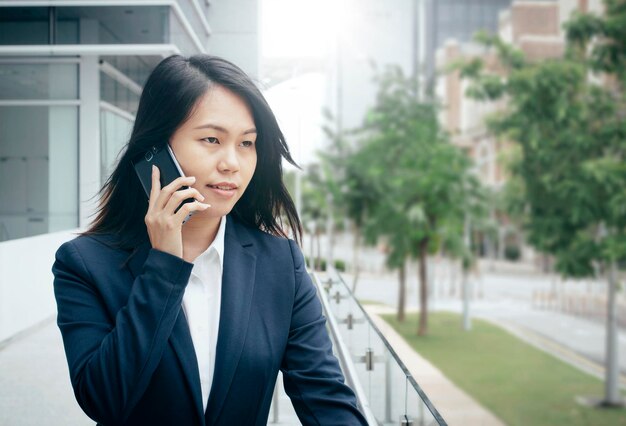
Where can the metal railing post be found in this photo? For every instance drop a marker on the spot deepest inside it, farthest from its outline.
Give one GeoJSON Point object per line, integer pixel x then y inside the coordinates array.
{"type": "Point", "coordinates": [330, 299]}
{"type": "Point", "coordinates": [388, 388]}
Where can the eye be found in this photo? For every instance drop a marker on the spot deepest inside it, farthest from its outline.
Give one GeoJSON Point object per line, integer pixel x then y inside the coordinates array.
{"type": "Point", "coordinates": [211, 140]}
{"type": "Point", "coordinates": [247, 144]}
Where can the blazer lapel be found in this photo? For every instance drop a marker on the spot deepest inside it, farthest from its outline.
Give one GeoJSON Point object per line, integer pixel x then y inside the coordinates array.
{"type": "Point", "coordinates": [183, 347]}
{"type": "Point", "coordinates": [238, 280]}
{"type": "Point", "coordinates": [180, 338]}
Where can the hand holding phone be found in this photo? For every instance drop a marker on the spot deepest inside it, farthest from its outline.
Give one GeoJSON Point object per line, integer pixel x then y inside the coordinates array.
{"type": "Point", "coordinates": [166, 212]}
{"type": "Point", "coordinates": [171, 199]}
{"type": "Point", "coordinates": [169, 170]}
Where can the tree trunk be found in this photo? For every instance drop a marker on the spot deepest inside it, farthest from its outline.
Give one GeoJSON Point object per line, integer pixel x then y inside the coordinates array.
{"type": "Point", "coordinates": [423, 321]}
{"type": "Point", "coordinates": [452, 267]}
{"type": "Point", "coordinates": [402, 292]}
{"type": "Point", "coordinates": [330, 234]}
{"type": "Point", "coordinates": [612, 394]}
{"type": "Point", "coordinates": [318, 258]}
{"type": "Point", "coordinates": [312, 250]}
{"type": "Point", "coordinates": [355, 260]}
{"type": "Point", "coordinates": [465, 290]}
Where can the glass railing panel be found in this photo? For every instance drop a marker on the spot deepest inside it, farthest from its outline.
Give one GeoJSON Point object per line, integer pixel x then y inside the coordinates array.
{"type": "Point", "coordinates": [389, 393]}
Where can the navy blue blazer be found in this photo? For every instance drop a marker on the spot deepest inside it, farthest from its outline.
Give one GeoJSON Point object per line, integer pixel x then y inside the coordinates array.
{"type": "Point", "coordinates": [129, 350]}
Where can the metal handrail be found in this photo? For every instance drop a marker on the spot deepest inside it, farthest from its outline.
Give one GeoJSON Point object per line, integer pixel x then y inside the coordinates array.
{"type": "Point", "coordinates": [344, 355]}
{"type": "Point", "coordinates": [437, 416]}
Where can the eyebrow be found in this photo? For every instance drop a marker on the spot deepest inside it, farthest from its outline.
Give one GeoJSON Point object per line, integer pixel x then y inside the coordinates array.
{"type": "Point", "coordinates": [221, 129]}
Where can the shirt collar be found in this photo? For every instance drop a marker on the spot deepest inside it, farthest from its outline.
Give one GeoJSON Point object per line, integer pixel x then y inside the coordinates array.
{"type": "Point", "coordinates": [218, 242]}
{"type": "Point", "coordinates": [217, 245]}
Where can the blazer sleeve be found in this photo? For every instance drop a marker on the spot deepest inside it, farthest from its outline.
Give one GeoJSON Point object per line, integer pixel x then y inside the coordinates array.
{"type": "Point", "coordinates": [111, 360]}
{"type": "Point", "coordinates": [311, 373]}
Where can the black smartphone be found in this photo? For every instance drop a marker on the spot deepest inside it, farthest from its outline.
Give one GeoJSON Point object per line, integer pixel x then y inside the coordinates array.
{"type": "Point", "coordinates": [169, 169]}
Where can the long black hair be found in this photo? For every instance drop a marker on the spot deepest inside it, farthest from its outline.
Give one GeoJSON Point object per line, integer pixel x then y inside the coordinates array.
{"type": "Point", "coordinates": [167, 101]}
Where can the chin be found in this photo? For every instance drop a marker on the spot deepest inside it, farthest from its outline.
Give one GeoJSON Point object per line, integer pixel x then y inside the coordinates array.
{"type": "Point", "coordinates": [217, 210]}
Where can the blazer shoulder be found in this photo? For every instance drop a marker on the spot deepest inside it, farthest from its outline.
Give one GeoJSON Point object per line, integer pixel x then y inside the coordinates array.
{"type": "Point", "coordinates": [93, 242]}
{"type": "Point", "coordinates": [251, 234]}
{"type": "Point", "coordinates": [85, 249]}
{"type": "Point", "coordinates": [281, 251]}
{"type": "Point", "coordinates": [284, 246]}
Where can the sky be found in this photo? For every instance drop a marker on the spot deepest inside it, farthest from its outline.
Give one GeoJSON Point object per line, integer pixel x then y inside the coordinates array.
{"type": "Point", "coordinates": [298, 28]}
{"type": "Point", "coordinates": [297, 104]}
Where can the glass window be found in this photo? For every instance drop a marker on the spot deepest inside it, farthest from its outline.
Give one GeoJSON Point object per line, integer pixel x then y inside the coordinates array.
{"type": "Point", "coordinates": [194, 20]}
{"type": "Point", "coordinates": [39, 81]}
{"type": "Point", "coordinates": [137, 68]}
{"type": "Point", "coordinates": [113, 92]}
{"type": "Point", "coordinates": [180, 37]}
{"type": "Point", "coordinates": [24, 25]}
{"type": "Point", "coordinates": [85, 25]}
{"type": "Point", "coordinates": [115, 132]}
{"type": "Point", "coordinates": [38, 170]}
{"type": "Point", "coordinates": [113, 24]}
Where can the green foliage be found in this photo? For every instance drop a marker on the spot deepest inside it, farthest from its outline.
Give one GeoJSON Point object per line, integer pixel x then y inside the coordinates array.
{"type": "Point", "coordinates": [397, 177]}
{"type": "Point", "coordinates": [418, 184]}
{"type": "Point", "coordinates": [340, 265]}
{"type": "Point", "coordinates": [314, 202]}
{"type": "Point", "coordinates": [310, 264]}
{"type": "Point", "coordinates": [568, 172]}
{"type": "Point", "coordinates": [512, 253]}
{"type": "Point", "coordinates": [608, 34]}
{"type": "Point", "coordinates": [419, 187]}
{"type": "Point", "coordinates": [323, 265]}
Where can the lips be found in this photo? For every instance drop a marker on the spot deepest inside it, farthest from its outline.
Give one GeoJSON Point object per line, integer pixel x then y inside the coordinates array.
{"type": "Point", "coordinates": [224, 186]}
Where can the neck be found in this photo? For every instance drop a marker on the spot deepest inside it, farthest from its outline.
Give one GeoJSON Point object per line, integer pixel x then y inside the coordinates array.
{"type": "Point", "coordinates": [200, 231]}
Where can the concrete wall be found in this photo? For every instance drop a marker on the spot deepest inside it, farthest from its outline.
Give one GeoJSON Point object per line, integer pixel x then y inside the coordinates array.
{"type": "Point", "coordinates": [26, 291]}
{"type": "Point", "coordinates": [235, 25]}
{"type": "Point", "coordinates": [536, 18]}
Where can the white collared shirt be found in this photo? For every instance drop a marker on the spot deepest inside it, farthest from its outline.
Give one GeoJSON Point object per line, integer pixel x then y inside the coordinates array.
{"type": "Point", "coordinates": [201, 304]}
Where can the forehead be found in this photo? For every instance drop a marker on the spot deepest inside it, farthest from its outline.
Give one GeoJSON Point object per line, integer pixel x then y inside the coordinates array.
{"type": "Point", "coordinates": [221, 106]}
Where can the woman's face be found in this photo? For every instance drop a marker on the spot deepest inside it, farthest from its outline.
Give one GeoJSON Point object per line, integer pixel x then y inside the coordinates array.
{"type": "Point", "coordinates": [217, 145]}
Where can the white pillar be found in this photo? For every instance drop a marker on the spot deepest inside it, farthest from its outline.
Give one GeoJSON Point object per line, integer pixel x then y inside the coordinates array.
{"type": "Point", "coordinates": [89, 138]}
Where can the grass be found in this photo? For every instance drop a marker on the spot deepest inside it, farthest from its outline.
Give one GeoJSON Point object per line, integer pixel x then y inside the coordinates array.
{"type": "Point", "coordinates": [518, 383]}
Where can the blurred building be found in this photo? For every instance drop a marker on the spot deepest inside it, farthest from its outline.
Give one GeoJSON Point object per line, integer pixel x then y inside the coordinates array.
{"type": "Point", "coordinates": [535, 27]}
{"type": "Point", "coordinates": [458, 20]}
{"type": "Point", "coordinates": [71, 73]}
{"type": "Point", "coordinates": [402, 32]}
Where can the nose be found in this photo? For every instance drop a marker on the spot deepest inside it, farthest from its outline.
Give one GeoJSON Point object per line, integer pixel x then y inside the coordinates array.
{"type": "Point", "coordinates": [228, 162]}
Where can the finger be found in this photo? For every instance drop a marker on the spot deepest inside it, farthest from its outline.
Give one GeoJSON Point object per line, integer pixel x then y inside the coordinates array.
{"type": "Point", "coordinates": [187, 208]}
{"type": "Point", "coordinates": [167, 191]}
{"type": "Point", "coordinates": [156, 187]}
{"type": "Point", "coordinates": [179, 196]}
{"type": "Point", "coordinates": [178, 182]}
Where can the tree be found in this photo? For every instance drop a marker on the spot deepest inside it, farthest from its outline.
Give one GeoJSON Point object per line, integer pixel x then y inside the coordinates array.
{"type": "Point", "coordinates": [570, 130]}
{"type": "Point", "coordinates": [421, 183]}
{"type": "Point", "coordinates": [342, 181]}
{"type": "Point", "coordinates": [314, 204]}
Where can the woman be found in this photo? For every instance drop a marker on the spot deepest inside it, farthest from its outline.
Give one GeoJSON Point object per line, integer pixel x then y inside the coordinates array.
{"type": "Point", "coordinates": [165, 323]}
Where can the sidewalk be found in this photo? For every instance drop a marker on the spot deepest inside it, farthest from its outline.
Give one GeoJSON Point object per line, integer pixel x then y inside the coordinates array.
{"type": "Point", "coordinates": [456, 406]}
{"type": "Point", "coordinates": [35, 384]}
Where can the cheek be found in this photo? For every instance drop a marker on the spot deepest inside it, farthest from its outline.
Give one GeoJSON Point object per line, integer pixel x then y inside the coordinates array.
{"type": "Point", "coordinates": [251, 166]}
{"type": "Point", "coordinates": [188, 157]}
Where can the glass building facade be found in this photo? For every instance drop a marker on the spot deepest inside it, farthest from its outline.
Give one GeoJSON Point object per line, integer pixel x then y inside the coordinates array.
{"type": "Point", "coordinates": [459, 20]}
{"type": "Point", "coordinates": [70, 82]}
